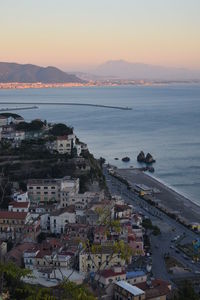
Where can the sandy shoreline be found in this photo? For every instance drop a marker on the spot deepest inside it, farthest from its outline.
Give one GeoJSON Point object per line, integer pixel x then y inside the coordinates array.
{"type": "Point", "coordinates": [168, 198]}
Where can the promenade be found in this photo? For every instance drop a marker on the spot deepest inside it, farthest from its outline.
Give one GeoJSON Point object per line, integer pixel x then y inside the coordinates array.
{"type": "Point", "coordinates": [168, 199]}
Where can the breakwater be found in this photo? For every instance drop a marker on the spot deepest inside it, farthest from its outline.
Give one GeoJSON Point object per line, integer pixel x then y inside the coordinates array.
{"type": "Point", "coordinates": [17, 108]}
{"type": "Point", "coordinates": [69, 103]}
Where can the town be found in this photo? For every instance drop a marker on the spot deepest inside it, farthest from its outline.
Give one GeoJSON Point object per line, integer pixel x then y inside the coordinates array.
{"type": "Point", "coordinates": [66, 217]}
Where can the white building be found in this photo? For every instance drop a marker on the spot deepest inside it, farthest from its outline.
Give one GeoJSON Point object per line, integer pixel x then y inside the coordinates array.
{"type": "Point", "coordinates": [20, 197]}
{"type": "Point", "coordinates": [67, 199]}
{"type": "Point", "coordinates": [19, 206]}
{"type": "Point", "coordinates": [60, 218]}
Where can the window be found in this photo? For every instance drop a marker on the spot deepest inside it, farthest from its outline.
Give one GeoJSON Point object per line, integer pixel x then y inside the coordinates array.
{"type": "Point", "coordinates": [38, 187]}
{"type": "Point", "coordinates": [30, 188]}
{"type": "Point", "coordinates": [45, 187]}
{"type": "Point", "coordinates": [45, 193]}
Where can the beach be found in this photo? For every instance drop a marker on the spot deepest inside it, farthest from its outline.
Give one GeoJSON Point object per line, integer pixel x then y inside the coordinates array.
{"type": "Point", "coordinates": [167, 198]}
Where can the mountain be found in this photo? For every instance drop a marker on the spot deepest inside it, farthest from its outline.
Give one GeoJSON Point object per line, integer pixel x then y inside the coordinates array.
{"type": "Point", "coordinates": [13, 72]}
{"type": "Point", "coordinates": [126, 70]}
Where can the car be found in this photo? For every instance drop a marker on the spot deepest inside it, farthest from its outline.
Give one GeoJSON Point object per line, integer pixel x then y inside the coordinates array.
{"type": "Point", "coordinates": [172, 247]}
{"type": "Point", "coordinates": [197, 272]}
{"type": "Point", "coordinates": [177, 251]}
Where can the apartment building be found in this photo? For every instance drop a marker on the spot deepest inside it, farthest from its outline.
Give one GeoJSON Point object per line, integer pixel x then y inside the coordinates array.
{"type": "Point", "coordinates": [125, 291]}
{"type": "Point", "coordinates": [62, 144]}
{"type": "Point", "coordinates": [67, 199]}
{"type": "Point", "coordinates": [50, 190]}
{"type": "Point", "coordinates": [101, 260]}
{"type": "Point", "coordinates": [12, 223]}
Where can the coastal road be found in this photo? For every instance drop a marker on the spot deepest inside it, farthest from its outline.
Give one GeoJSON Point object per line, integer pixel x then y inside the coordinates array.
{"type": "Point", "coordinates": [170, 228]}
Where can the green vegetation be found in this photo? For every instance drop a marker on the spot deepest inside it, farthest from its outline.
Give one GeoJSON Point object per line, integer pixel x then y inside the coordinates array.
{"type": "Point", "coordinates": [12, 287]}
{"type": "Point", "coordinates": [61, 129]}
{"type": "Point", "coordinates": [186, 292]}
{"type": "Point", "coordinates": [8, 114]}
{"type": "Point", "coordinates": [35, 125]}
{"type": "Point", "coordinates": [147, 224]}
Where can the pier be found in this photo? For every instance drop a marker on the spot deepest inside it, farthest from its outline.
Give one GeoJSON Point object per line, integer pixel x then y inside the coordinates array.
{"type": "Point", "coordinates": [65, 104]}
{"type": "Point", "coordinates": [17, 108]}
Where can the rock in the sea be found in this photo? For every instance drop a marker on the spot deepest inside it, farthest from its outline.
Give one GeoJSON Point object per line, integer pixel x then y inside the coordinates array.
{"type": "Point", "coordinates": [141, 157]}
{"type": "Point", "coordinates": [116, 158]}
{"type": "Point", "coordinates": [126, 159]}
{"type": "Point", "coordinates": [151, 169]}
{"type": "Point", "coordinates": [149, 159]}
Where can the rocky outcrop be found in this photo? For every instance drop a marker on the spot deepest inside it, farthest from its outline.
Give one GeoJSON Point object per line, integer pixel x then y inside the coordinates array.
{"type": "Point", "coordinates": [126, 159]}
{"type": "Point", "coordinates": [148, 159]}
{"type": "Point", "coordinates": [141, 157]}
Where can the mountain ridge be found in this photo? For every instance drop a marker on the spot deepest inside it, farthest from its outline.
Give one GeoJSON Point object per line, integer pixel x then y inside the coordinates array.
{"type": "Point", "coordinates": [30, 73]}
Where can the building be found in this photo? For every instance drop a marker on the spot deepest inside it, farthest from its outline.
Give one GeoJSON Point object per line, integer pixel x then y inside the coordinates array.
{"type": "Point", "coordinates": [62, 144]}
{"type": "Point", "coordinates": [106, 279]}
{"type": "Point", "coordinates": [134, 277]}
{"type": "Point", "coordinates": [67, 199]}
{"type": "Point", "coordinates": [156, 289]}
{"type": "Point", "coordinates": [103, 258]}
{"type": "Point", "coordinates": [18, 206]}
{"type": "Point", "coordinates": [20, 197]}
{"type": "Point", "coordinates": [59, 219]}
{"type": "Point", "coordinates": [125, 291]}
{"type": "Point", "coordinates": [12, 223]}
{"type": "Point", "coordinates": [51, 190]}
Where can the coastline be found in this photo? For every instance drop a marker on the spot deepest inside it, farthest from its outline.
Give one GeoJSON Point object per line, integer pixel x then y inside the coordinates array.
{"type": "Point", "coordinates": [168, 199]}
{"type": "Point", "coordinates": [175, 190]}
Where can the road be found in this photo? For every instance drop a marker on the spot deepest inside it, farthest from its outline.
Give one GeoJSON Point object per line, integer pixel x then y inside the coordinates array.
{"type": "Point", "coordinates": [162, 244]}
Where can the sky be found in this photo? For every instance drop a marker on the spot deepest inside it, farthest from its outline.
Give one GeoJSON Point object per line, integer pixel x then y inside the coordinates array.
{"type": "Point", "coordinates": [80, 34]}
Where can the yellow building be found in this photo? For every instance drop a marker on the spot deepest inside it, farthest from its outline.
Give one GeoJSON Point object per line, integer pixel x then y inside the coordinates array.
{"type": "Point", "coordinates": [104, 258]}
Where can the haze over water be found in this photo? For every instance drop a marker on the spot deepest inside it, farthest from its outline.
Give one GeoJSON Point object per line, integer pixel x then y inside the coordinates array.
{"type": "Point", "coordinates": [164, 120]}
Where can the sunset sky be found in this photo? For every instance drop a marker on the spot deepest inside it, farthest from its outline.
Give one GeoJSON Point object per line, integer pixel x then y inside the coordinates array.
{"type": "Point", "coordinates": [79, 34]}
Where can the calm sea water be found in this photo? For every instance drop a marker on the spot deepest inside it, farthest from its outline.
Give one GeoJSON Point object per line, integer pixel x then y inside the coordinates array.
{"type": "Point", "coordinates": [164, 121]}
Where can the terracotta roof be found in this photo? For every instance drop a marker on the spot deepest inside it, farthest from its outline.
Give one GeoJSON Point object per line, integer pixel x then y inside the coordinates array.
{"type": "Point", "coordinates": [111, 273]}
{"type": "Point", "coordinates": [19, 204]}
{"type": "Point", "coordinates": [12, 215]}
{"type": "Point", "coordinates": [62, 138]}
{"type": "Point", "coordinates": [157, 288]}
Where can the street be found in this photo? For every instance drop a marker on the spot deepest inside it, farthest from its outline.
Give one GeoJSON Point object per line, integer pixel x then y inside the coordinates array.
{"type": "Point", "coordinates": [170, 229]}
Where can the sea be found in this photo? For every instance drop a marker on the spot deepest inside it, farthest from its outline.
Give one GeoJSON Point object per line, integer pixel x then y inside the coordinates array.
{"type": "Point", "coordinates": [164, 121]}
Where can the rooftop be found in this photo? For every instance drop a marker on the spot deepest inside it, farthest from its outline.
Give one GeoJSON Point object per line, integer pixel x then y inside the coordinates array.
{"type": "Point", "coordinates": [135, 291]}
{"type": "Point", "coordinates": [111, 273]}
{"type": "Point", "coordinates": [133, 274]}
{"type": "Point", "coordinates": [19, 204]}
{"type": "Point", "coordinates": [157, 288]}
{"type": "Point", "coordinates": [12, 215]}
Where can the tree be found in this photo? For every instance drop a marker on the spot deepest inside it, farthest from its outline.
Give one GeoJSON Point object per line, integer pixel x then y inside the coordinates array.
{"type": "Point", "coordinates": [186, 292]}
{"type": "Point", "coordinates": [61, 129]}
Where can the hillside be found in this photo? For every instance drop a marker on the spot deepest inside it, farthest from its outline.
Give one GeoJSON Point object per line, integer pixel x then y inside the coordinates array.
{"type": "Point", "coordinates": [13, 72]}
